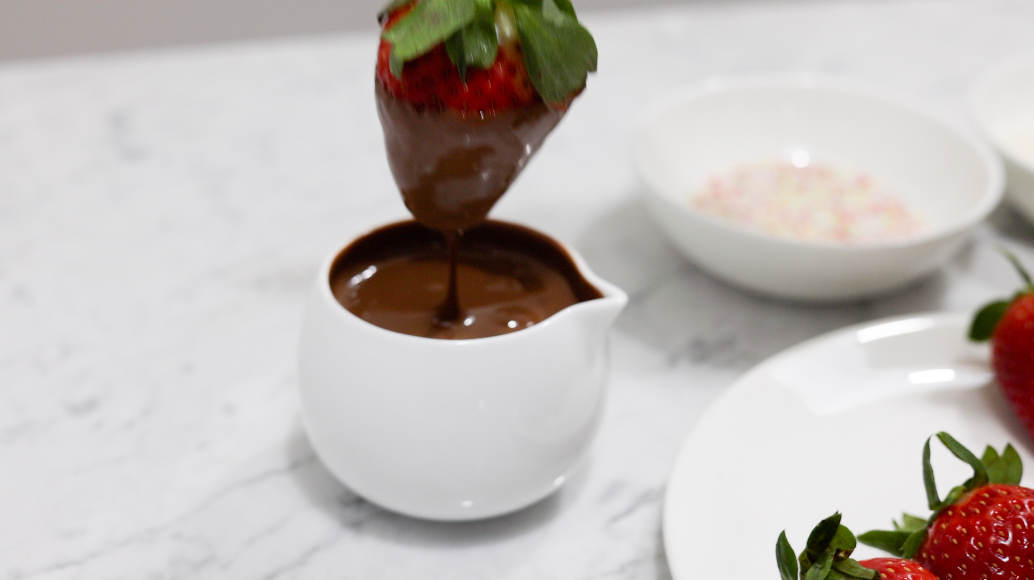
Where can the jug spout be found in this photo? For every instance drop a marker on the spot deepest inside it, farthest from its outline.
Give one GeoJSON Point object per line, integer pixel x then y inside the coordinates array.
{"type": "Point", "coordinates": [597, 316]}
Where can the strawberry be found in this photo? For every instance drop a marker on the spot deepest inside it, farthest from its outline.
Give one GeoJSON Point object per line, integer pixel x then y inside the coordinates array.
{"type": "Point", "coordinates": [432, 81]}
{"type": "Point", "coordinates": [982, 529]}
{"type": "Point", "coordinates": [1010, 326]}
{"type": "Point", "coordinates": [898, 569]}
{"type": "Point", "coordinates": [828, 557]}
{"type": "Point", "coordinates": [480, 57]}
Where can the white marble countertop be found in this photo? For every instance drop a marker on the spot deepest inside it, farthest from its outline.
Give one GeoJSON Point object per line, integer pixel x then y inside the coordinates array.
{"type": "Point", "coordinates": [162, 215]}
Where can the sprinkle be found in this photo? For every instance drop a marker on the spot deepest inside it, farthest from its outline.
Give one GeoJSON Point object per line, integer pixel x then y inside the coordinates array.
{"type": "Point", "coordinates": [814, 202]}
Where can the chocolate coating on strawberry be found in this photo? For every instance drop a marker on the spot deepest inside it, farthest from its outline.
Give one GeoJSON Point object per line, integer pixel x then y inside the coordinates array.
{"type": "Point", "coordinates": [451, 169]}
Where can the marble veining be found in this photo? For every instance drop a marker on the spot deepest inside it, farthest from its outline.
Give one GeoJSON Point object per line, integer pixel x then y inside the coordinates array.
{"type": "Point", "coordinates": [163, 213]}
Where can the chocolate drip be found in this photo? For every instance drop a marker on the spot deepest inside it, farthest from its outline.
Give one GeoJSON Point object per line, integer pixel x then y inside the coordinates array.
{"type": "Point", "coordinates": [449, 310]}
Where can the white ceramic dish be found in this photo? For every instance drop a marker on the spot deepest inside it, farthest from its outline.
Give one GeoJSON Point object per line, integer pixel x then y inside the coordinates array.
{"type": "Point", "coordinates": [1002, 104]}
{"type": "Point", "coordinates": [950, 179]}
{"type": "Point", "coordinates": [454, 429]}
{"type": "Point", "coordinates": [835, 423]}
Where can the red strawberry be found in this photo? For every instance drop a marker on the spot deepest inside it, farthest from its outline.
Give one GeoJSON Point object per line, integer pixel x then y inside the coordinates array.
{"type": "Point", "coordinates": [483, 56]}
{"type": "Point", "coordinates": [828, 557]}
{"type": "Point", "coordinates": [432, 81]}
{"type": "Point", "coordinates": [993, 523]}
{"type": "Point", "coordinates": [1010, 326]}
{"type": "Point", "coordinates": [898, 569]}
{"type": "Point", "coordinates": [983, 529]}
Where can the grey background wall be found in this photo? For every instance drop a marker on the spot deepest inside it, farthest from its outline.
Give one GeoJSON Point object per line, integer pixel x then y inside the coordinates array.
{"type": "Point", "coordinates": [39, 28]}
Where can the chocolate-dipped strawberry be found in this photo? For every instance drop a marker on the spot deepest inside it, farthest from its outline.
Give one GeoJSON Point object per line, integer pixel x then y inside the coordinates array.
{"type": "Point", "coordinates": [467, 91]}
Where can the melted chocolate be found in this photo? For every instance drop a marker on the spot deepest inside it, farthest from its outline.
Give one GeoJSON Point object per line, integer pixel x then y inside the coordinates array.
{"type": "Point", "coordinates": [452, 169]}
{"type": "Point", "coordinates": [509, 278]}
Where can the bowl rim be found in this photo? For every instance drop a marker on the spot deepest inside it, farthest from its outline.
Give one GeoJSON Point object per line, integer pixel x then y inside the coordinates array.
{"type": "Point", "coordinates": [990, 197]}
{"type": "Point", "coordinates": [984, 81]}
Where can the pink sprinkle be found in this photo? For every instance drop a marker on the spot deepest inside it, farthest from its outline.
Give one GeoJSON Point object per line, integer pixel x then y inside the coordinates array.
{"type": "Point", "coordinates": [816, 202]}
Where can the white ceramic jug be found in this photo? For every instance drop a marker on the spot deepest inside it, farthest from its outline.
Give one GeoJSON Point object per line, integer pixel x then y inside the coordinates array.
{"type": "Point", "coordinates": [454, 429]}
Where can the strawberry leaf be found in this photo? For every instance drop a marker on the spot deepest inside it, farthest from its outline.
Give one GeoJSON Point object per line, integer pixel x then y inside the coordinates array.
{"type": "Point", "coordinates": [912, 544]}
{"type": "Point", "coordinates": [553, 8]}
{"type": "Point", "coordinates": [429, 23]}
{"type": "Point", "coordinates": [891, 542]}
{"type": "Point", "coordinates": [910, 523]}
{"type": "Point", "coordinates": [933, 499]}
{"type": "Point", "coordinates": [986, 320]}
{"type": "Point", "coordinates": [989, 457]}
{"type": "Point", "coordinates": [395, 64]}
{"type": "Point", "coordinates": [821, 568]}
{"type": "Point", "coordinates": [827, 555]}
{"type": "Point", "coordinates": [550, 7]}
{"type": "Point", "coordinates": [1019, 269]}
{"type": "Point", "coordinates": [1006, 468]}
{"type": "Point", "coordinates": [785, 558]}
{"type": "Point", "coordinates": [475, 44]}
{"type": "Point", "coordinates": [844, 540]}
{"type": "Point", "coordinates": [979, 478]}
{"type": "Point", "coordinates": [822, 535]}
{"type": "Point", "coordinates": [958, 450]}
{"type": "Point", "coordinates": [852, 569]}
{"type": "Point", "coordinates": [558, 51]}
{"type": "Point", "coordinates": [1014, 466]}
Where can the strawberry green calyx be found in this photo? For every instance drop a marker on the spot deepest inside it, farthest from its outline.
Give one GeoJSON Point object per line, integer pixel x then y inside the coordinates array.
{"type": "Point", "coordinates": [476, 44]}
{"type": "Point", "coordinates": [557, 50]}
{"type": "Point", "coordinates": [992, 468]}
{"type": "Point", "coordinates": [827, 555]}
{"type": "Point", "coordinates": [987, 318]}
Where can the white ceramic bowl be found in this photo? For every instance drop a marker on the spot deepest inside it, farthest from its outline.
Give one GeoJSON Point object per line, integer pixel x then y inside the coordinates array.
{"type": "Point", "coordinates": [950, 179]}
{"type": "Point", "coordinates": [453, 429]}
{"type": "Point", "coordinates": [1002, 103]}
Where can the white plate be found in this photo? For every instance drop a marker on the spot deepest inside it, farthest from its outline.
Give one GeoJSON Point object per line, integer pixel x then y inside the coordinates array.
{"type": "Point", "coordinates": [834, 424]}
